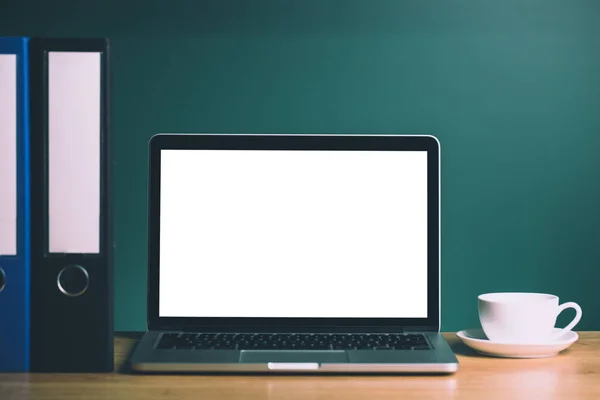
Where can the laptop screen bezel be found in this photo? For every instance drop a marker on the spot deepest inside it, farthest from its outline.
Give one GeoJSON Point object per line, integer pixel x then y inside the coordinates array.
{"type": "Point", "coordinates": [294, 142]}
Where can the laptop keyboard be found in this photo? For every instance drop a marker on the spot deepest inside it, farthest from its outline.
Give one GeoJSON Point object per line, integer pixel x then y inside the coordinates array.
{"type": "Point", "coordinates": [291, 341]}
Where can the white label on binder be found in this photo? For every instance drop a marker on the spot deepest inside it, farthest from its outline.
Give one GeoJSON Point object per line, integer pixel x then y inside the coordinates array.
{"type": "Point", "coordinates": [74, 152]}
{"type": "Point", "coordinates": [8, 154]}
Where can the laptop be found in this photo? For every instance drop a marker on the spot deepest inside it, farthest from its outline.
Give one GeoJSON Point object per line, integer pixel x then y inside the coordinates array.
{"type": "Point", "coordinates": [293, 254]}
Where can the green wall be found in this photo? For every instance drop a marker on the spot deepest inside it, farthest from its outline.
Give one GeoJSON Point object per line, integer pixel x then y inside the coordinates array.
{"type": "Point", "coordinates": [511, 88]}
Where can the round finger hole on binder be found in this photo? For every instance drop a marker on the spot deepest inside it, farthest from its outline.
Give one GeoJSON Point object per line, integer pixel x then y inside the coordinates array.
{"type": "Point", "coordinates": [2, 279]}
{"type": "Point", "coordinates": [73, 280]}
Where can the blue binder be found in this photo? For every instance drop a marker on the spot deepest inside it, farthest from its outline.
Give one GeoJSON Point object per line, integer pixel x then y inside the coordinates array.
{"type": "Point", "coordinates": [14, 205]}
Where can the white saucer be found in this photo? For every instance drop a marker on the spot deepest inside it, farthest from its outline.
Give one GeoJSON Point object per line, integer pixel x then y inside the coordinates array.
{"type": "Point", "coordinates": [476, 339]}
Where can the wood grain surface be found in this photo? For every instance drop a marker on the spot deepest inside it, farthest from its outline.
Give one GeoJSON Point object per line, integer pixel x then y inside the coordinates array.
{"type": "Point", "coordinates": [573, 374]}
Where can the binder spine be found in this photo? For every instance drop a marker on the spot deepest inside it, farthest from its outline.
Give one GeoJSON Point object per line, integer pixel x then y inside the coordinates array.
{"type": "Point", "coordinates": [14, 206]}
{"type": "Point", "coordinates": [72, 306]}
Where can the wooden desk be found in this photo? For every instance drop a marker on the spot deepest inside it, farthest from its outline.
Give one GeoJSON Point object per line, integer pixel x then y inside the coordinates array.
{"type": "Point", "coordinates": [573, 374]}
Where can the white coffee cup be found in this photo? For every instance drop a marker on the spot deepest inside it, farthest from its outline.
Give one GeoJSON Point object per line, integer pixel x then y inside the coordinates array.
{"type": "Point", "coordinates": [523, 317]}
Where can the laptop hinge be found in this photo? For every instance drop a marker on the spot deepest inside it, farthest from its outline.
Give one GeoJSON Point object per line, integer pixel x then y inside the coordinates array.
{"type": "Point", "coordinates": [298, 329]}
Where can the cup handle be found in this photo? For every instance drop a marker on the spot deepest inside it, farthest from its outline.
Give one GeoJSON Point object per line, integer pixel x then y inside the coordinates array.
{"type": "Point", "coordinates": [575, 320]}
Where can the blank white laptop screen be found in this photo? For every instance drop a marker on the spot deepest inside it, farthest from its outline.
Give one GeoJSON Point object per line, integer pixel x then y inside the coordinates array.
{"type": "Point", "coordinates": [265, 233]}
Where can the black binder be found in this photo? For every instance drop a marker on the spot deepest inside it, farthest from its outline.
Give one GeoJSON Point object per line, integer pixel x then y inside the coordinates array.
{"type": "Point", "coordinates": [71, 206]}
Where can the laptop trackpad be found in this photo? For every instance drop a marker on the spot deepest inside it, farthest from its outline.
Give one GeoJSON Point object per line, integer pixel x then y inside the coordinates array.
{"type": "Point", "coordinates": [299, 356]}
